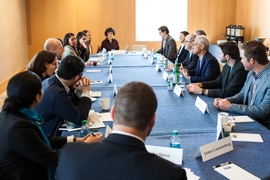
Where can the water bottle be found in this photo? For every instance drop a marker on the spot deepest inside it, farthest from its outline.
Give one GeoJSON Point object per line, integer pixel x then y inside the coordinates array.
{"type": "Point", "coordinates": [104, 53]}
{"type": "Point", "coordinates": [166, 63]}
{"type": "Point", "coordinates": [176, 73]}
{"type": "Point", "coordinates": [84, 129]}
{"type": "Point", "coordinates": [175, 140]}
{"type": "Point", "coordinates": [170, 82]}
{"type": "Point", "coordinates": [111, 58]}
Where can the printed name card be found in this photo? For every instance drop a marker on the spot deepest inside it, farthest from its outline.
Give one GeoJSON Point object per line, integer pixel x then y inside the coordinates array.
{"type": "Point", "coordinates": [171, 154]}
{"type": "Point", "coordinates": [115, 90]}
{"type": "Point", "coordinates": [110, 68]}
{"type": "Point", "coordinates": [201, 105]}
{"type": "Point", "coordinates": [177, 90]}
{"type": "Point", "coordinates": [110, 78]}
{"type": "Point", "coordinates": [215, 149]}
{"type": "Point", "coordinates": [108, 131]}
{"type": "Point", "coordinates": [165, 76]}
{"type": "Point", "coordinates": [157, 68]}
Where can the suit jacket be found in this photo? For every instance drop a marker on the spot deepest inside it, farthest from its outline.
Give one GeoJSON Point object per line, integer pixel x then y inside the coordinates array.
{"type": "Point", "coordinates": [260, 108]}
{"type": "Point", "coordinates": [57, 105]}
{"type": "Point", "coordinates": [228, 83]}
{"type": "Point", "coordinates": [23, 152]}
{"type": "Point", "coordinates": [170, 50]}
{"type": "Point", "coordinates": [190, 63]}
{"type": "Point", "coordinates": [208, 71]}
{"type": "Point", "coordinates": [69, 50]}
{"type": "Point", "coordinates": [182, 55]}
{"type": "Point", "coordinates": [117, 157]}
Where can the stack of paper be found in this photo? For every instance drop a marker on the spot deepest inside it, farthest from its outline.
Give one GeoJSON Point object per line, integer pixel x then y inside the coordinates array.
{"type": "Point", "coordinates": [191, 175]}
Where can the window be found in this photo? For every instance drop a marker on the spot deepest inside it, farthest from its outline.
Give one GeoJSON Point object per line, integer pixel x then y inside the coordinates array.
{"type": "Point", "coordinates": [151, 14]}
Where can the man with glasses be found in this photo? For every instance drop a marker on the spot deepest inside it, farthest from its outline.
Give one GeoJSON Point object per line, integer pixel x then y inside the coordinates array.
{"type": "Point", "coordinates": [190, 62]}
{"type": "Point", "coordinates": [254, 98]}
{"type": "Point", "coordinates": [232, 78]}
{"type": "Point", "coordinates": [54, 45]}
{"type": "Point", "coordinates": [66, 96]}
{"type": "Point", "coordinates": [168, 45]}
{"type": "Point", "coordinates": [207, 68]}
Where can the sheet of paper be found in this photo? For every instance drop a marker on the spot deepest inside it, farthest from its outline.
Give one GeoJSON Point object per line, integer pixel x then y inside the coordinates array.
{"type": "Point", "coordinates": [240, 119]}
{"type": "Point", "coordinates": [234, 172]}
{"type": "Point", "coordinates": [191, 175]}
{"type": "Point", "coordinates": [92, 59]}
{"type": "Point", "coordinates": [95, 94]}
{"type": "Point", "coordinates": [246, 137]}
{"type": "Point", "coordinates": [105, 116]}
{"type": "Point", "coordinates": [92, 70]}
{"type": "Point", "coordinates": [94, 121]}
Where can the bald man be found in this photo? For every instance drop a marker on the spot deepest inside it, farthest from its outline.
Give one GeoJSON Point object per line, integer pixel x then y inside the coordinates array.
{"type": "Point", "coordinates": [54, 45]}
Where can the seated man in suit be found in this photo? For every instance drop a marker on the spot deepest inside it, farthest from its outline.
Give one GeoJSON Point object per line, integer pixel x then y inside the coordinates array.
{"type": "Point", "coordinates": [122, 155]}
{"type": "Point", "coordinates": [190, 62]}
{"type": "Point", "coordinates": [207, 68]}
{"type": "Point", "coordinates": [232, 78]}
{"type": "Point", "coordinates": [59, 102]}
{"type": "Point", "coordinates": [168, 45]}
{"type": "Point", "coordinates": [254, 98]}
{"type": "Point", "coordinates": [182, 53]}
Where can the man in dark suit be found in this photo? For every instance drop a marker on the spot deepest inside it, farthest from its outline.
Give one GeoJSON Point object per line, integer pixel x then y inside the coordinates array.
{"type": "Point", "coordinates": [232, 78]}
{"type": "Point", "coordinates": [66, 96]}
{"type": "Point", "coordinates": [122, 155]}
{"type": "Point", "coordinates": [207, 66]}
{"type": "Point", "coordinates": [168, 45]}
{"type": "Point", "coordinates": [191, 59]}
{"type": "Point", "coordinates": [182, 53]}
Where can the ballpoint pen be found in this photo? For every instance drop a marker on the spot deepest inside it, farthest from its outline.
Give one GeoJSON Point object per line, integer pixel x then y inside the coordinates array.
{"type": "Point", "coordinates": [222, 164]}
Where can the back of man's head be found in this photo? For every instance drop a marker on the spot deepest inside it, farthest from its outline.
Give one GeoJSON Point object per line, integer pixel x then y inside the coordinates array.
{"type": "Point", "coordinates": [134, 105]}
{"type": "Point", "coordinates": [203, 40]}
{"type": "Point", "coordinates": [256, 50]}
{"type": "Point", "coordinates": [70, 67]}
{"type": "Point", "coordinates": [231, 49]}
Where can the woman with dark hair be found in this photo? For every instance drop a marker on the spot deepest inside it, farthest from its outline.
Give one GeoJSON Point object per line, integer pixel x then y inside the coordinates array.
{"type": "Point", "coordinates": [109, 43]}
{"type": "Point", "coordinates": [43, 64]}
{"type": "Point", "coordinates": [88, 42]}
{"type": "Point", "coordinates": [81, 46]}
{"type": "Point", "coordinates": [70, 43]}
{"type": "Point", "coordinates": [25, 151]}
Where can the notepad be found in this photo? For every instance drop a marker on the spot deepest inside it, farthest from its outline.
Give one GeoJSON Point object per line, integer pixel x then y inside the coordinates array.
{"type": "Point", "coordinates": [248, 137]}
{"type": "Point", "coordinates": [240, 119]}
{"type": "Point", "coordinates": [232, 171]}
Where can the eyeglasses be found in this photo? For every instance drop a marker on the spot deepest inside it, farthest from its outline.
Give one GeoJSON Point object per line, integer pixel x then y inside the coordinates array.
{"type": "Point", "coordinates": [55, 64]}
{"type": "Point", "coordinates": [189, 41]}
{"type": "Point", "coordinates": [195, 44]}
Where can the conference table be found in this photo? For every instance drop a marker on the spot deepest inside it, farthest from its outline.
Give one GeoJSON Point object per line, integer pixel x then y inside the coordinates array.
{"type": "Point", "coordinates": [180, 113]}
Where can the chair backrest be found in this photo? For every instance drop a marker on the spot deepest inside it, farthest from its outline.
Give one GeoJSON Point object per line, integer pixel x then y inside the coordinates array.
{"type": "Point", "coordinates": [138, 47]}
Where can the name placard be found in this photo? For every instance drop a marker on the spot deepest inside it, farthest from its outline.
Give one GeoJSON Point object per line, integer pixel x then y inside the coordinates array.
{"type": "Point", "coordinates": [171, 154]}
{"type": "Point", "coordinates": [177, 90]}
{"type": "Point", "coordinates": [110, 78]}
{"type": "Point", "coordinates": [110, 68]}
{"type": "Point", "coordinates": [157, 68]}
{"type": "Point", "coordinates": [108, 131]}
{"type": "Point", "coordinates": [165, 76]}
{"type": "Point", "coordinates": [201, 105]}
{"type": "Point", "coordinates": [215, 149]}
{"type": "Point", "coordinates": [114, 90]}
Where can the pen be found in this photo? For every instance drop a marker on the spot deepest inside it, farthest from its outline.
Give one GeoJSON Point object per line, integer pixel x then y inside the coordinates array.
{"type": "Point", "coordinates": [222, 164]}
{"type": "Point", "coordinates": [93, 134]}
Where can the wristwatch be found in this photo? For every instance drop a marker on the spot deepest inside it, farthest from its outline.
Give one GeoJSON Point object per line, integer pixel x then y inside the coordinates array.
{"type": "Point", "coordinates": [203, 91]}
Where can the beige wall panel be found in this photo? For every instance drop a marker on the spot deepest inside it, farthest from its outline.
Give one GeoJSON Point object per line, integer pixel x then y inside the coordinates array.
{"type": "Point", "coordinates": [13, 34]}
{"type": "Point", "coordinates": [254, 15]}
